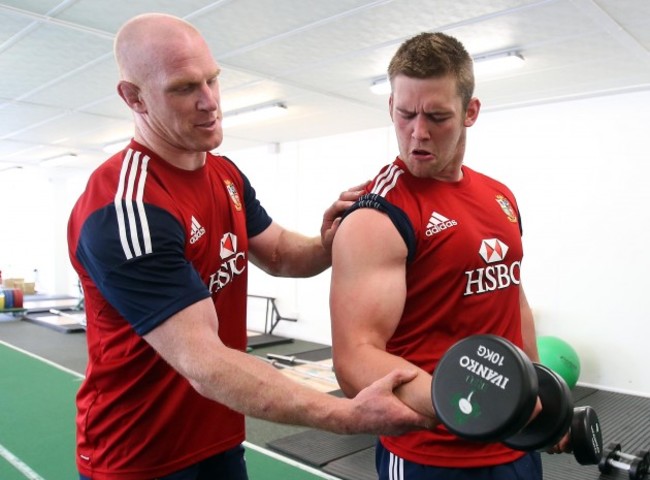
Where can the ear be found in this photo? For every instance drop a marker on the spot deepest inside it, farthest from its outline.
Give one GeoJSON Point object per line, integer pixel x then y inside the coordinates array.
{"type": "Point", "coordinates": [471, 114]}
{"type": "Point", "coordinates": [130, 93]}
{"type": "Point", "coordinates": [390, 106]}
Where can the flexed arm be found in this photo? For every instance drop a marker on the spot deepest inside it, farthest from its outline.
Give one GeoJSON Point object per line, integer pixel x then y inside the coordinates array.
{"type": "Point", "coordinates": [367, 296]}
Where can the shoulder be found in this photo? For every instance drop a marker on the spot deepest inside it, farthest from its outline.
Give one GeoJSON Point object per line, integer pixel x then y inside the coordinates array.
{"type": "Point", "coordinates": [223, 164]}
{"type": "Point", "coordinates": [370, 231]}
{"type": "Point", "coordinates": [485, 179]}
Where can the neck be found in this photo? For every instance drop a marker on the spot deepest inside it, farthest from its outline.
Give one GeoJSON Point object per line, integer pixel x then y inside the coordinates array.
{"type": "Point", "coordinates": [183, 159]}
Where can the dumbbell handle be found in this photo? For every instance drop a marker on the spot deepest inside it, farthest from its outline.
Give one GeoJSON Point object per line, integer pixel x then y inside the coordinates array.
{"type": "Point", "coordinates": [627, 456]}
{"type": "Point", "coordinates": [619, 465]}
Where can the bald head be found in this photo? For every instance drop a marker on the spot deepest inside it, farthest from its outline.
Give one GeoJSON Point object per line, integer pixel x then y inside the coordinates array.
{"type": "Point", "coordinates": [169, 80]}
{"type": "Point", "coordinates": [145, 42]}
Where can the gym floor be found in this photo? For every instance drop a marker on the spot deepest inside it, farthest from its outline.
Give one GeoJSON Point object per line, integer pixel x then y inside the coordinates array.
{"type": "Point", "coordinates": [625, 419]}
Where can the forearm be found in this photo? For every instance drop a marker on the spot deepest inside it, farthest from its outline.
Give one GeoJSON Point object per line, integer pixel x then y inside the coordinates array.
{"type": "Point", "coordinates": [357, 370]}
{"type": "Point", "coordinates": [255, 388]}
{"type": "Point", "coordinates": [189, 342]}
{"type": "Point", "coordinates": [300, 256]}
{"type": "Point", "coordinates": [283, 253]}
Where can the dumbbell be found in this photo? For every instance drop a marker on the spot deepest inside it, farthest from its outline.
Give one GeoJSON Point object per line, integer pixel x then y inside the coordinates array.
{"type": "Point", "coordinates": [485, 388]}
{"type": "Point", "coordinates": [637, 465]}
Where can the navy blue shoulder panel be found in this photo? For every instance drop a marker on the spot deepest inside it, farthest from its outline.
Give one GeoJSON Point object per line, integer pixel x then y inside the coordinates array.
{"type": "Point", "coordinates": [150, 286]}
{"type": "Point", "coordinates": [397, 216]}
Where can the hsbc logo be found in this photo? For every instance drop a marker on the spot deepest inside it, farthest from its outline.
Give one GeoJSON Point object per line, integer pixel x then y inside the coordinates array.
{"type": "Point", "coordinates": [493, 250]}
{"type": "Point", "coordinates": [498, 274]}
{"type": "Point", "coordinates": [234, 263]}
{"type": "Point", "coordinates": [228, 245]}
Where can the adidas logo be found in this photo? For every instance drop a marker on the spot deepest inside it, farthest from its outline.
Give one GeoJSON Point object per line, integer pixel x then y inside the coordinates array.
{"type": "Point", "coordinates": [197, 231]}
{"type": "Point", "coordinates": [437, 223]}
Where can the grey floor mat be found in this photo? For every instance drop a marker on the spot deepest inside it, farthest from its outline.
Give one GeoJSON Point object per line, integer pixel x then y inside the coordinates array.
{"type": "Point", "coordinates": [266, 339]}
{"type": "Point", "coordinates": [580, 393]}
{"type": "Point", "coordinates": [315, 355]}
{"type": "Point", "coordinates": [358, 466]}
{"type": "Point", "coordinates": [317, 448]}
{"type": "Point", "coordinates": [625, 419]}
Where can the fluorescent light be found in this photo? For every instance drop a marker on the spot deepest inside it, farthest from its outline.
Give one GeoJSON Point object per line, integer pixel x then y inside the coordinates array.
{"type": "Point", "coordinates": [253, 114]}
{"type": "Point", "coordinates": [380, 86]}
{"type": "Point", "coordinates": [115, 147]}
{"type": "Point", "coordinates": [58, 160]}
{"type": "Point", "coordinates": [497, 63]}
{"type": "Point", "coordinates": [483, 65]}
{"type": "Point", "coordinates": [7, 167]}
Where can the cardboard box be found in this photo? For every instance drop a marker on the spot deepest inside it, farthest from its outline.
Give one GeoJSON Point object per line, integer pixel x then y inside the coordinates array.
{"type": "Point", "coordinates": [14, 283]}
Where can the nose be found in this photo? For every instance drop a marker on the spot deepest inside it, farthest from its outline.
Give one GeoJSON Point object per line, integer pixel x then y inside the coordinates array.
{"type": "Point", "coordinates": [420, 127]}
{"type": "Point", "coordinates": [208, 98]}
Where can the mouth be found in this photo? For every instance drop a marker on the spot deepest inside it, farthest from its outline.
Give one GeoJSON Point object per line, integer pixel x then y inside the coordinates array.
{"type": "Point", "coordinates": [421, 155]}
{"type": "Point", "coordinates": [209, 125]}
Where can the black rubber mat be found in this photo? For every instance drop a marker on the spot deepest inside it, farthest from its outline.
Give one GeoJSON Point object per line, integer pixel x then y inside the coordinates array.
{"type": "Point", "coordinates": [624, 419]}
{"type": "Point", "coordinates": [358, 466]}
{"type": "Point", "coordinates": [580, 393]}
{"type": "Point", "coordinates": [318, 448]}
{"type": "Point", "coordinates": [266, 339]}
{"type": "Point", "coordinates": [315, 355]}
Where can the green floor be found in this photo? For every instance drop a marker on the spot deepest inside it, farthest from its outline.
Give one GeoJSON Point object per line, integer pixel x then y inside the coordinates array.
{"type": "Point", "coordinates": [37, 425]}
{"type": "Point", "coordinates": [36, 417]}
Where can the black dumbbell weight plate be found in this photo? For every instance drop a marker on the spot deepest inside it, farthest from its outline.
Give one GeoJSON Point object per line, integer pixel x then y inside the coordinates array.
{"type": "Point", "coordinates": [609, 453]}
{"type": "Point", "coordinates": [640, 466]}
{"type": "Point", "coordinates": [554, 420]}
{"type": "Point", "coordinates": [586, 436]}
{"type": "Point", "coordinates": [484, 388]}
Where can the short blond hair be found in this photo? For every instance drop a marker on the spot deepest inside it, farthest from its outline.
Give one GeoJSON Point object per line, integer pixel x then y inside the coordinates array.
{"type": "Point", "coordinates": [434, 55]}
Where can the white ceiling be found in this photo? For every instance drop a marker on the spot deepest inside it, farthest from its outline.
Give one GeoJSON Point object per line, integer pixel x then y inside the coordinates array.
{"type": "Point", "coordinates": [318, 57]}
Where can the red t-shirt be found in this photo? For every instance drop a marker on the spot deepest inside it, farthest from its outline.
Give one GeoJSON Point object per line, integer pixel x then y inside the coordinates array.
{"type": "Point", "coordinates": [462, 277]}
{"type": "Point", "coordinates": [148, 239]}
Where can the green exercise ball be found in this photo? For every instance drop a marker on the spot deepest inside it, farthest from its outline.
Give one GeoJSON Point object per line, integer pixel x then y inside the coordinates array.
{"type": "Point", "coordinates": [560, 357]}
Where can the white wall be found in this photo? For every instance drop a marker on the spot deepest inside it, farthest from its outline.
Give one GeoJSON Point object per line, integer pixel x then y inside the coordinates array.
{"type": "Point", "coordinates": [36, 204]}
{"type": "Point", "coordinates": [579, 170]}
{"type": "Point", "coordinates": [27, 223]}
{"type": "Point", "coordinates": [296, 185]}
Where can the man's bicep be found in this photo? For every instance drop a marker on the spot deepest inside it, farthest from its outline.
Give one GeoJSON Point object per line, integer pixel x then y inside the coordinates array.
{"type": "Point", "coordinates": [368, 286]}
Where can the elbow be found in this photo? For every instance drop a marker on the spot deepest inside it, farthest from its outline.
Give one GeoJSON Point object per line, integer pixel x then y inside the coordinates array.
{"type": "Point", "coordinates": [344, 377]}
{"type": "Point", "coordinates": [274, 268]}
{"type": "Point", "coordinates": [271, 265]}
{"type": "Point", "coordinates": [348, 390]}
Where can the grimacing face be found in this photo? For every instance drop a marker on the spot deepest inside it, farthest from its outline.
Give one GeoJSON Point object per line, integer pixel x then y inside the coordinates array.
{"type": "Point", "coordinates": [430, 125]}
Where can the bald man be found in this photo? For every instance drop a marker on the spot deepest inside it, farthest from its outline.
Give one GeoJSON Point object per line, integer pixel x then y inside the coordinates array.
{"type": "Point", "coordinates": [161, 239]}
